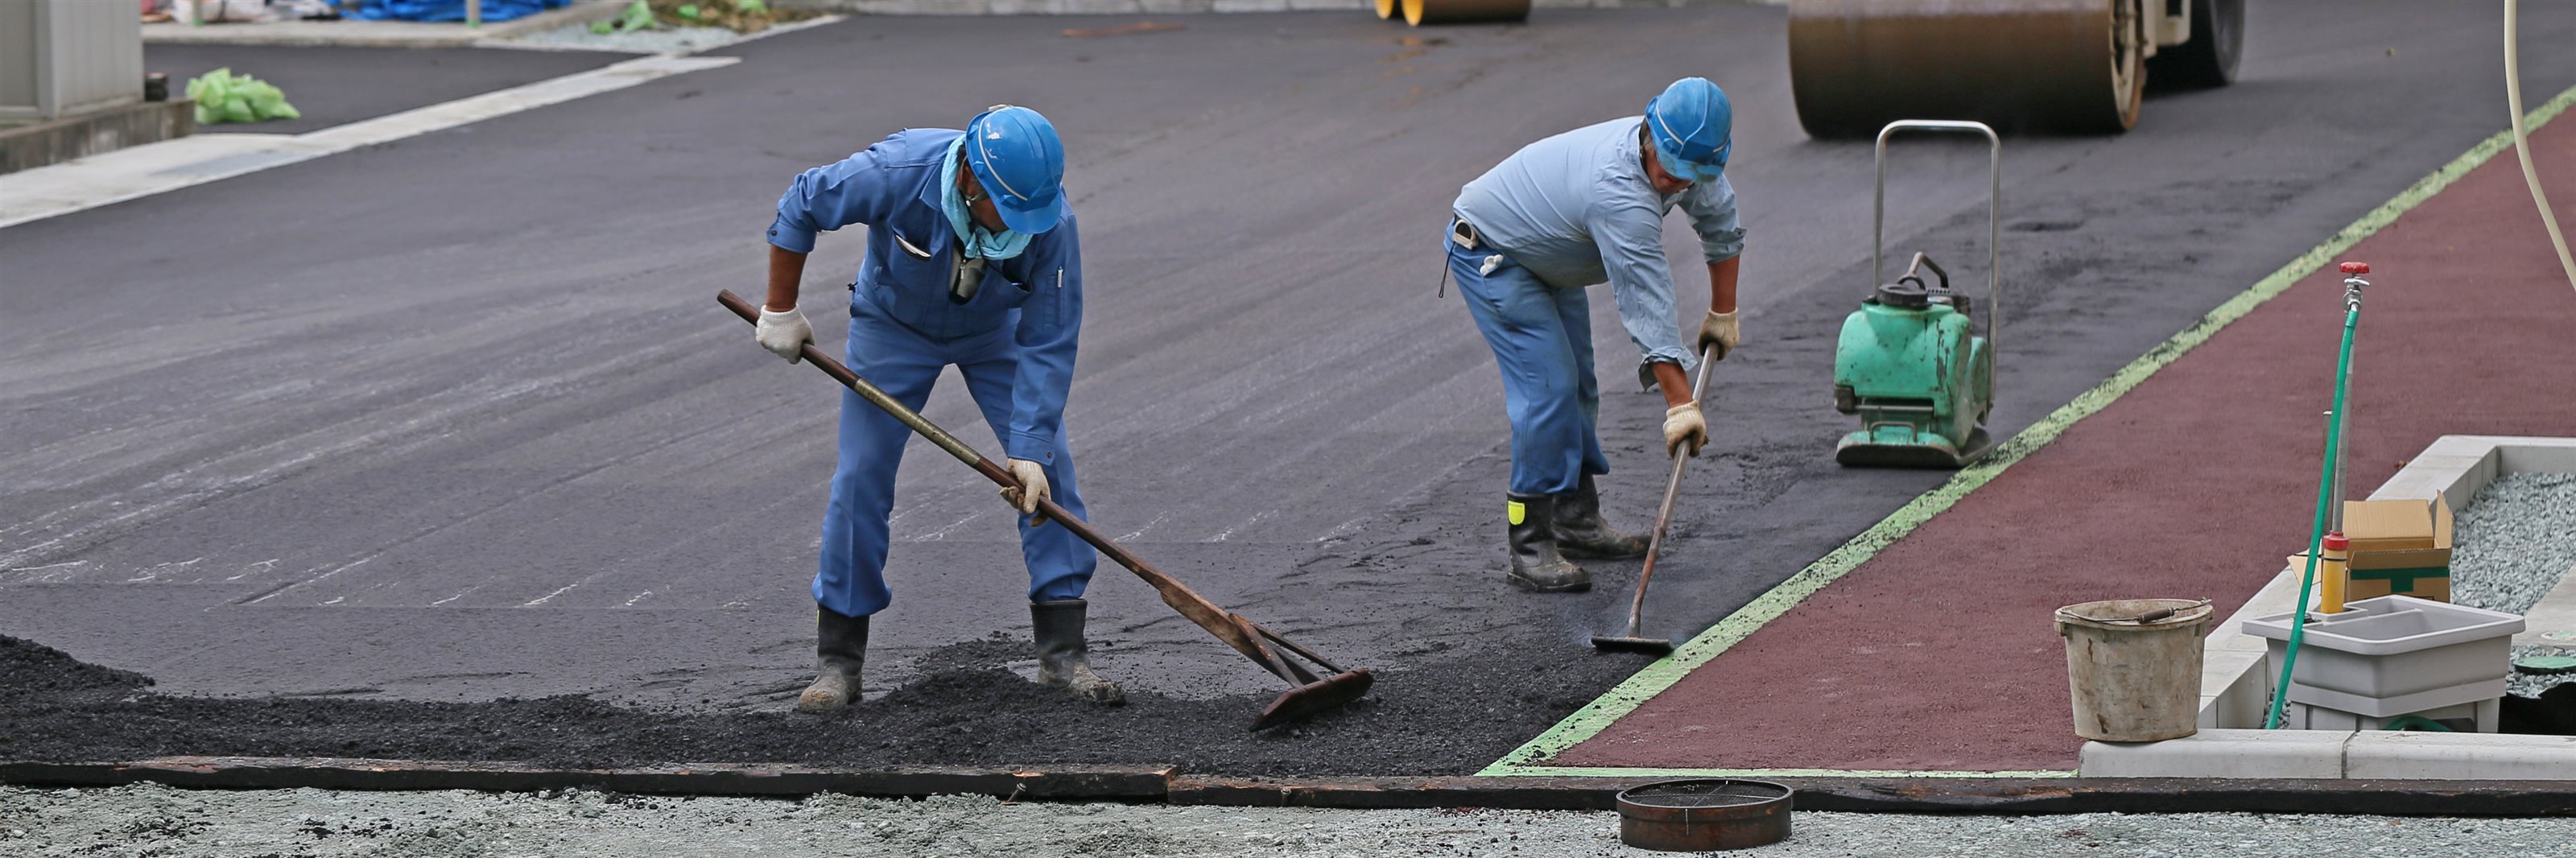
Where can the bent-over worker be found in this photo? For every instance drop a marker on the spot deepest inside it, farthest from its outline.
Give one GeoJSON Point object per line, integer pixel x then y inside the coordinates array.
{"type": "Point", "coordinates": [973, 261]}
{"type": "Point", "coordinates": [1580, 208]}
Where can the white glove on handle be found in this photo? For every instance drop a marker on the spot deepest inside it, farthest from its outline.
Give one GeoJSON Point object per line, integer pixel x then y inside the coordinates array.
{"type": "Point", "coordinates": [1684, 425]}
{"type": "Point", "coordinates": [783, 332]}
{"type": "Point", "coordinates": [1719, 328]}
{"type": "Point", "coordinates": [1032, 488]}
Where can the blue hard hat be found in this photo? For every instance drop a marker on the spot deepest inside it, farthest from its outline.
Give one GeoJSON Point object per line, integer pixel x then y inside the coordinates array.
{"type": "Point", "coordinates": [1693, 126]}
{"type": "Point", "coordinates": [1020, 161]}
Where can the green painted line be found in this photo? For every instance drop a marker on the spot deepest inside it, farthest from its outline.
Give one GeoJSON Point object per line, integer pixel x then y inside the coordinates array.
{"type": "Point", "coordinates": [1654, 678]}
{"type": "Point", "coordinates": [1617, 772]}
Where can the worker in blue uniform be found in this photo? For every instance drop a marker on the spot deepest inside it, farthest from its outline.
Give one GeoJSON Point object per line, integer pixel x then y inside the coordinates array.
{"type": "Point", "coordinates": [973, 261]}
{"type": "Point", "coordinates": [1567, 212]}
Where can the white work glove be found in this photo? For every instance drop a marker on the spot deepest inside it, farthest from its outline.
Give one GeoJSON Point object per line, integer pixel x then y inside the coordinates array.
{"type": "Point", "coordinates": [1719, 328]}
{"type": "Point", "coordinates": [1684, 425]}
{"type": "Point", "coordinates": [783, 332]}
{"type": "Point", "coordinates": [1032, 487]}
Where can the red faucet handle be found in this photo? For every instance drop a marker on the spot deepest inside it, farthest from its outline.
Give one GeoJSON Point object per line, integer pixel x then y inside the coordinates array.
{"type": "Point", "coordinates": [2356, 268]}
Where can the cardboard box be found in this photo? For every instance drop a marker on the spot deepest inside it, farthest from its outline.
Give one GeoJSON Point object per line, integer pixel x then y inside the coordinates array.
{"type": "Point", "coordinates": [2398, 525]}
{"type": "Point", "coordinates": [2400, 547]}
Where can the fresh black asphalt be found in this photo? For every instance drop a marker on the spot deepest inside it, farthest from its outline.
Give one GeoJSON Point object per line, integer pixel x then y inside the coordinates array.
{"type": "Point", "coordinates": [456, 418]}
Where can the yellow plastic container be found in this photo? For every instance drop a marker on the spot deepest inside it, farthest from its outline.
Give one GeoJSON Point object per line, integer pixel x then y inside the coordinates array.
{"type": "Point", "coordinates": [2334, 573]}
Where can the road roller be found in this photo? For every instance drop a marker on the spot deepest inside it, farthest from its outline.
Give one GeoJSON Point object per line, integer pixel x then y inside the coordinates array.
{"type": "Point", "coordinates": [2028, 66]}
{"type": "Point", "coordinates": [1420, 12]}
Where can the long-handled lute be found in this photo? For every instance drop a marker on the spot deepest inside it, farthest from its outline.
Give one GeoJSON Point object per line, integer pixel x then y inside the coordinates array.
{"type": "Point", "coordinates": [1313, 692]}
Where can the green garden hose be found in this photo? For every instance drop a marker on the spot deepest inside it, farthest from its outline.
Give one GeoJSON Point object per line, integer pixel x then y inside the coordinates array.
{"type": "Point", "coordinates": [2352, 284]}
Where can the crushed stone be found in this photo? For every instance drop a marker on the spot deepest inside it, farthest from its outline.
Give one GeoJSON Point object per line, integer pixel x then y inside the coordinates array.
{"type": "Point", "coordinates": [157, 820]}
{"type": "Point", "coordinates": [2512, 544]}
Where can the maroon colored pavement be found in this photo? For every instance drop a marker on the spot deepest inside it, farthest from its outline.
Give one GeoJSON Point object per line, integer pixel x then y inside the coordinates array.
{"type": "Point", "coordinates": [1937, 654]}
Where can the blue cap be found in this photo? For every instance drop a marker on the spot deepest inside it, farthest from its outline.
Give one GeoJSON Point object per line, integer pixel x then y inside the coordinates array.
{"type": "Point", "coordinates": [1693, 126]}
{"type": "Point", "coordinates": [1019, 160]}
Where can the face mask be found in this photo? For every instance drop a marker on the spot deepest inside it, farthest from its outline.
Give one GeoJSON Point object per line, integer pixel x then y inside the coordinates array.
{"type": "Point", "coordinates": [980, 243]}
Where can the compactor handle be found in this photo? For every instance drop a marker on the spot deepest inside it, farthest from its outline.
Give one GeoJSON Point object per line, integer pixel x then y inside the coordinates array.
{"type": "Point", "coordinates": [1994, 221]}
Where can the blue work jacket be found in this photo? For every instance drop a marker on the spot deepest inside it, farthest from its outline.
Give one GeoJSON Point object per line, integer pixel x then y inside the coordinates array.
{"type": "Point", "coordinates": [893, 188]}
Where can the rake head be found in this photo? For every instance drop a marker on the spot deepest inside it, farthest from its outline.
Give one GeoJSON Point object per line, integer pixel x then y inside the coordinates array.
{"type": "Point", "coordinates": [1306, 700]}
{"type": "Point", "coordinates": [1632, 643]}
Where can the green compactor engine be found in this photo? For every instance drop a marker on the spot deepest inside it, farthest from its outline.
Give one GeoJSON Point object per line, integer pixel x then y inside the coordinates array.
{"type": "Point", "coordinates": [1909, 361]}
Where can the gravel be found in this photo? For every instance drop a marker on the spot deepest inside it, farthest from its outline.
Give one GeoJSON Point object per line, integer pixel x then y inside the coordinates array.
{"type": "Point", "coordinates": [2515, 540]}
{"type": "Point", "coordinates": [2512, 544]}
{"type": "Point", "coordinates": [157, 820]}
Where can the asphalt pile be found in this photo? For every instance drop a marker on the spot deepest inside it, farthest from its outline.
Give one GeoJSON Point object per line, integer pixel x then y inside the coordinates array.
{"type": "Point", "coordinates": [33, 670]}
{"type": "Point", "coordinates": [964, 709]}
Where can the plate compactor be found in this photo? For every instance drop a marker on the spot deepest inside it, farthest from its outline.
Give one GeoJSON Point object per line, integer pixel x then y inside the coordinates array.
{"type": "Point", "coordinates": [1909, 361]}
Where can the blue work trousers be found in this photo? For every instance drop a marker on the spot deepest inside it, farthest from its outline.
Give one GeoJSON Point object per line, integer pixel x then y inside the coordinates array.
{"type": "Point", "coordinates": [1542, 339]}
{"type": "Point", "coordinates": [904, 362]}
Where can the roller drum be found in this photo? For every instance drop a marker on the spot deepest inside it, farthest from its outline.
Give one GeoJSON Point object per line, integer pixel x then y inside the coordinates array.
{"type": "Point", "coordinates": [1420, 12]}
{"type": "Point", "coordinates": [2063, 66]}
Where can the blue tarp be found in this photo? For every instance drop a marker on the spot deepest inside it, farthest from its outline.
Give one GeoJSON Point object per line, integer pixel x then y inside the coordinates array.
{"type": "Point", "coordinates": [451, 10]}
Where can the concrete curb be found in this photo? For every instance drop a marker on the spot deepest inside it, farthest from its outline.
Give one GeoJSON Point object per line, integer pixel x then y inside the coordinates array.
{"type": "Point", "coordinates": [1156, 783]}
{"type": "Point", "coordinates": [27, 147]}
{"type": "Point", "coordinates": [2338, 754]}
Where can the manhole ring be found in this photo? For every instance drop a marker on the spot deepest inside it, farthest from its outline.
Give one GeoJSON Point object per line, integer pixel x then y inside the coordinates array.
{"type": "Point", "coordinates": [1704, 793]}
{"type": "Point", "coordinates": [1704, 814]}
{"type": "Point", "coordinates": [2545, 664]}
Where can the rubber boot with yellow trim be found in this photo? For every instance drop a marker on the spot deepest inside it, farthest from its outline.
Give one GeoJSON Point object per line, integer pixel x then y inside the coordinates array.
{"type": "Point", "coordinates": [1580, 532]}
{"type": "Point", "coordinates": [1536, 565]}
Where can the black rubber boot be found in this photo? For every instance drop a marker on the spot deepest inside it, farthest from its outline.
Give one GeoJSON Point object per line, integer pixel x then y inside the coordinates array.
{"type": "Point", "coordinates": [1580, 532]}
{"type": "Point", "coordinates": [1535, 564]}
{"type": "Point", "coordinates": [1064, 660]}
{"type": "Point", "coordinates": [840, 647]}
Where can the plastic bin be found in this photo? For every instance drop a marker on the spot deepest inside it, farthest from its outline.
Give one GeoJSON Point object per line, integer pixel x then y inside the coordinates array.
{"type": "Point", "coordinates": [2395, 655]}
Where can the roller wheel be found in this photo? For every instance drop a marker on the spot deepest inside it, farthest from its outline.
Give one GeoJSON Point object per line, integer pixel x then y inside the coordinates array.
{"type": "Point", "coordinates": [2051, 66]}
{"type": "Point", "coordinates": [2208, 60]}
{"type": "Point", "coordinates": [1420, 12]}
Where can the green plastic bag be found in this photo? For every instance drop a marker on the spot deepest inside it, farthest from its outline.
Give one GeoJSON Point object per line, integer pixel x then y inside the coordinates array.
{"type": "Point", "coordinates": [222, 96]}
{"type": "Point", "coordinates": [637, 16]}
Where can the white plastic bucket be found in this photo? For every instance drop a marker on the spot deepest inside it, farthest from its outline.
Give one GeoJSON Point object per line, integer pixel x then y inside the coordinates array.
{"type": "Point", "coordinates": [2134, 681]}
